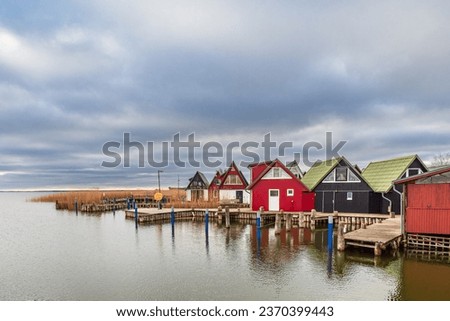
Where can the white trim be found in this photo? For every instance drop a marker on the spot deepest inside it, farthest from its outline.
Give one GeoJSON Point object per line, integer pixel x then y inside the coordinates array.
{"type": "Point", "coordinates": [284, 174]}
{"type": "Point", "coordinates": [290, 192]}
{"type": "Point", "coordinates": [349, 196]}
{"type": "Point", "coordinates": [344, 182]}
{"type": "Point", "coordinates": [419, 170]}
{"type": "Point", "coordinates": [278, 198]}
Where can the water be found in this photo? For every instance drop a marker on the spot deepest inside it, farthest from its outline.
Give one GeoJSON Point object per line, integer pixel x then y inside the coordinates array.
{"type": "Point", "coordinates": [56, 255]}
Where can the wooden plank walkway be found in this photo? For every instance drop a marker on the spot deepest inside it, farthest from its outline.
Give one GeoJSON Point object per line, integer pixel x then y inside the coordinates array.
{"type": "Point", "coordinates": [377, 236]}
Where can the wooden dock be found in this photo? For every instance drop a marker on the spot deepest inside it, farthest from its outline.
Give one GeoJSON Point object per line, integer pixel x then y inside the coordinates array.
{"type": "Point", "coordinates": [375, 231]}
{"type": "Point", "coordinates": [303, 219]}
{"type": "Point", "coordinates": [377, 236]}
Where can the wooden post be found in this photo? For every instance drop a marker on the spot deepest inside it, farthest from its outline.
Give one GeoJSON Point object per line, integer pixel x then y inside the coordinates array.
{"type": "Point", "coordinates": [313, 220]}
{"type": "Point", "coordinates": [219, 214]}
{"type": "Point", "coordinates": [341, 239]}
{"type": "Point", "coordinates": [392, 214]}
{"type": "Point", "coordinates": [378, 249]}
{"type": "Point", "coordinates": [76, 207]}
{"type": "Point", "coordinates": [301, 220]}
{"type": "Point", "coordinates": [261, 211]}
{"type": "Point", "coordinates": [278, 223]}
{"type": "Point", "coordinates": [288, 222]}
{"type": "Point", "coordinates": [227, 217]}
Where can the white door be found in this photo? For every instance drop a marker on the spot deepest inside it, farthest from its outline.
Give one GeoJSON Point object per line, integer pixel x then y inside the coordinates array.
{"type": "Point", "coordinates": [274, 200]}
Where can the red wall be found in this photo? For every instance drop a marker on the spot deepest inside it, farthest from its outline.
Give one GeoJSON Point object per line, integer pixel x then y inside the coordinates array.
{"type": "Point", "coordinates": [301, 201]}
{"type": "Point", "coordinates": [257, 170]}
{"type": "Point", "coordinates": [428, 209]}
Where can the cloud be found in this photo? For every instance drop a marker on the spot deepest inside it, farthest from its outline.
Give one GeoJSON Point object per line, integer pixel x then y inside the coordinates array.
{"type": "Point", "coordinates": [76, 75]}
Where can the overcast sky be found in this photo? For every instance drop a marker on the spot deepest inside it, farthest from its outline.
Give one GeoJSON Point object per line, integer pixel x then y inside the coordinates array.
{"type": "Point", "coordinates": [77, 74]}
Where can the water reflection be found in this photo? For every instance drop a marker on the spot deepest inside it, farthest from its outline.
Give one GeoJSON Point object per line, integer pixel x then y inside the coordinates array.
{"type": "Point", "coordinates": [330, 263]}
{"type": "Point", "coordinates": [109, 260]}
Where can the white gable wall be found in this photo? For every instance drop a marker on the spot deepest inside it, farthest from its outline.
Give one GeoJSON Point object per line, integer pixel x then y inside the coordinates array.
{"type": "Point", "coordinates": [230, 194]}
{"type": "Point", "coordinates": [271, 174]}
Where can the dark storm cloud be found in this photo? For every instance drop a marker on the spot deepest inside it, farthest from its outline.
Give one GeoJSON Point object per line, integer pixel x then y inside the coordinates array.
{"type": "Point", "coordinates": [74, 76]}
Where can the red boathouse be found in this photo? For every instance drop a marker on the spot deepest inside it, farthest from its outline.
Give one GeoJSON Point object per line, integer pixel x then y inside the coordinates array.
{"type": "Point", "coordinates": [274, 187]}
{"type": "Point", "coordinates": [427, 203]}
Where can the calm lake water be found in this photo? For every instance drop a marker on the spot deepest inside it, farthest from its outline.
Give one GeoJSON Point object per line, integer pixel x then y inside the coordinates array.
{"type": "Point", "coordinates": [56, 255]}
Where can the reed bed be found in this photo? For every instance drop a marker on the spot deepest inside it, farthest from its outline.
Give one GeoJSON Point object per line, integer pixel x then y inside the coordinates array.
{"type": "Point", "coordinates": [67, 200]}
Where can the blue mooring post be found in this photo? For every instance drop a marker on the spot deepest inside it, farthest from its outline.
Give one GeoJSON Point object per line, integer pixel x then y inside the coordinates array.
{"type": "Point", "coordinates": [128, 203]}
{"type": "Point", "coordinates": [172, 216]}
{"type": "Point", "coordinates": [206, 220]}
{"type": "Point", "coordinates": [258, 233]}
{"type": "Point", "coordinates": [76, 207]}
{"type": "Point", "coordinates": [136, 215]}
{"type": "Point", "coordinates": [330, 233]}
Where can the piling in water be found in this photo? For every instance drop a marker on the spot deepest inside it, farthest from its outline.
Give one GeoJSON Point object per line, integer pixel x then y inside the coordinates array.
{"type": "Point", "coordinates": [378, 250]}
{"type": "Point", "coordinates": [136, 218]}
{"type": "Point", "coordinates": [301, 220]}
{"type": "Point", "coordinates": [227, 217]}
{"type": "Point", "coordinates": [330, 233]}
{"type": "Point", "coordinates": [278, 223]}
{"type": "Point", "coordinates": [288, 222]}
{"type": "Point", "coordinates": [341, 240]}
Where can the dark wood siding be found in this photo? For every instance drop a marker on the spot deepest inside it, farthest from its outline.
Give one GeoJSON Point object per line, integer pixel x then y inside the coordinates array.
{"type": "Point", "coordinates": [394, 197]}
{"type": "Point", "coordinates": [333, 196]}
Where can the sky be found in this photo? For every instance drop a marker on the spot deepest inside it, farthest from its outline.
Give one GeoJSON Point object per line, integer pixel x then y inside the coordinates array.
{"type": "Point", "coordinates": [76, 75]}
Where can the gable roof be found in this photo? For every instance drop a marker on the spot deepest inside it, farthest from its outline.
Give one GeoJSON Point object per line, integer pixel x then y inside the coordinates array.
{"type": "Point", "coordinates": [318, 172]}
{"type": "Point", "coordinates": [268, 168]}
{"type": "Point", "coordinates": [201, 176]}
{"type": "Point", "coordinates": [435, 172]}
{"type": "Point", "coordinates": [294, 166]}
{"type": "Point", "coordinates": [239, 172]}
{"type": "Point", "coordinates": [381, 174]}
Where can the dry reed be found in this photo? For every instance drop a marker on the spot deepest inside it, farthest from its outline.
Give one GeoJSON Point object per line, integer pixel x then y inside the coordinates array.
{"type": "Point", "coordinates": [68, 199]}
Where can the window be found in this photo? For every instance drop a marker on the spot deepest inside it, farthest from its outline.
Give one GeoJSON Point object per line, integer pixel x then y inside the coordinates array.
{"type": "Point", "coordinates": [413, 171]}
{"type": "Point", "coordinates": [341, 174]}
{"type": "Point", "coordinates": [290, 192]}
{"type": "Point", "coordinates": [330, 177]}
{"type": "Point", "coordinates": [352, 177]}
{"type": "Point", "coordinates": [273, 193]}
{"type": "Point", "coordinates": [276, 172]}
{"type": "Point", "coordinates": [349, 196]}
{"type": "Point", "coordinates": [232, 180]}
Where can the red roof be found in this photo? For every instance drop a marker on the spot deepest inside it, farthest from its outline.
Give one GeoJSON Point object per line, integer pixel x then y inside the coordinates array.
{"type": "Point", "coordinates": [272, 164]}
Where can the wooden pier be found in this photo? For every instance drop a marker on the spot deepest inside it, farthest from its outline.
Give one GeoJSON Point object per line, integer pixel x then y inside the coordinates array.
{"type": "Point", "coordinates": [154, 215]}
{"type": "Point", "coordinates": [377, 236]}
{"type": "Point", "coordinates": [375, 231]}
